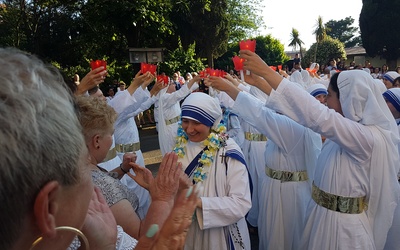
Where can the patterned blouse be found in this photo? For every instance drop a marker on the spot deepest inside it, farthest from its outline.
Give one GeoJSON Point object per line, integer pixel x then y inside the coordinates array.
{"type": "Point", "coordinates": [112, 189]}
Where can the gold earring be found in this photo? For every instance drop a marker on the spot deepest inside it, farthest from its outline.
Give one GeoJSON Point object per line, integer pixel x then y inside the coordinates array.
{"type": "Point", "coordinates": [82, 237]}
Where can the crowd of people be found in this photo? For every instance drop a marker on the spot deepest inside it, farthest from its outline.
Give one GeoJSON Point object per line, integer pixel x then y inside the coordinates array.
{"type": "Point", "coordinates": [309, 160]}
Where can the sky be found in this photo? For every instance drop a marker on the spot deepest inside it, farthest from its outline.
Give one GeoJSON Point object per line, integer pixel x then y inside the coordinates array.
{"type": "Point", "coordinates": [281, 16]}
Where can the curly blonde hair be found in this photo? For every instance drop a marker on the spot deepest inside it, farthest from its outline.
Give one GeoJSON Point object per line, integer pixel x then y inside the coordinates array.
{"type": "Point", "coordinates": [95, 116]}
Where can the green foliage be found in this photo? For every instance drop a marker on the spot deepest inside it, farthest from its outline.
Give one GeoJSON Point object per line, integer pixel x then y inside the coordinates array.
{"type": "Point", "coordinates": [320, 30]}
{"type": "Point", "coordinates": [295, 39]}
{"type": "Point", "coordinates": [379, 22]}
{"type": "Point", "coordinates": [181, 60]}
{"type": "Point", "coordinates": [343, 31]}
{"type": "Point", "coordinates": [326, 49]}
{"type": "Point", "coordinates": [71, 33]}
{"type": "Point", "coordinates": [244, 18]}
{"type": "Point", "coordinates": [268, 48]}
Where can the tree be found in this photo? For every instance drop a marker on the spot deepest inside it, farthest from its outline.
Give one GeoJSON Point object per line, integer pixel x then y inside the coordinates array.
{"type": "Point", "coordinates": [244, 19]}
{"type": "Point", "coordinates": [320, 34]}
{"type": "Point", "coordinates": [296, 41]}
{"type": "Point", "coordinates": [181, 60]}
{"type": "Point", "coordinates": [343, 31]}
{"type": "Point", "coordinates": [327, 49]}
{"type": "Point", "coordinates": [379, 24]}
{"type": "Point", "coordinates": [205, 22]}
{"type": "Point", "coordinates": [268, 48]}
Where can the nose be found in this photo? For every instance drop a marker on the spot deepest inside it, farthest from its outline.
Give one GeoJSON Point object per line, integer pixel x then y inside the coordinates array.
{"type": "Point", "coordinates": [189, 128]}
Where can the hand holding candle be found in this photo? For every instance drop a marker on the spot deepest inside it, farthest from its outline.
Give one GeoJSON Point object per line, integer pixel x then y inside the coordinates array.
{"type": "Point", "coordinates": [98, 63]}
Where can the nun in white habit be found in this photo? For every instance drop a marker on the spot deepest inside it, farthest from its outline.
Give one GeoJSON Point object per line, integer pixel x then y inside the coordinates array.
{"type": "Point", "coordinates": [289, 155]}
{"type": "Point", "coordinates": [224, 201]}
{"type": "Point", "coordinates": [392, 97]}
{"type": "Point", "coordinates": [169, 112]}
{"type": "Point", "coordinates": [358, 164]}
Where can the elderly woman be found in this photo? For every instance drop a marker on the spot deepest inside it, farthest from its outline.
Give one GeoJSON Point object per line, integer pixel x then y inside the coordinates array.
{"type": "Point", "coordinates": [358, 163]}
{"type": "Point", "coordinates": [218, 164]}
{"type": "Point", "coordinates": [97, 119]}
{"type": "Point", "coordinates": [45, 181]}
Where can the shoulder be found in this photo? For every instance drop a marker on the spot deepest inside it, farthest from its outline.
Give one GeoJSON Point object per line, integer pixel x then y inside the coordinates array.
{"type": "Point", "coordinates": [232, 150]}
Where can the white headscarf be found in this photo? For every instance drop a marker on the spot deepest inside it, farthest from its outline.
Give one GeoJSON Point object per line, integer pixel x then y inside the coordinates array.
{"type": "Point", "coordinates": [202, 108]}
{"type": "Point", "coordinates": [306, 78]}
{"type": "Point", "coordinates": [362, 101]}
{"type": "Point", "coordinates": [297, 78]}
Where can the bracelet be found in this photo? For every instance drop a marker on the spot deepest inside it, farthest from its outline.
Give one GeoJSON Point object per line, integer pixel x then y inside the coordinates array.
{"type": "Point", "coordinates": [123, 170]}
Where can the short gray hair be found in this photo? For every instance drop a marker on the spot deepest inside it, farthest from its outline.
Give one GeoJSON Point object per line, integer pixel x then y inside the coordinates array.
{"type": "Point", "coordinates": [40, 137]}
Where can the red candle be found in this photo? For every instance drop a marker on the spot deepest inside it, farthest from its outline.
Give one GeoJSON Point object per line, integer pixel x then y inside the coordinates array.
{"type": "Point", "coordinates": [98, 63]}
{"type": "Point", "coordinates": [280, 67]}
{"type": "Point", "coordinates": [144, 67]}
{"type": "Point", "coordinates": [238, 63]}
{"type": "Point", "coordinates": [273, 67]}
{"type": "Point", "coordinates": [248, 45]}
{"type": "Point", "coordinates": [166, 80]}
{"type": "Point", "coordinates": [152, 68]}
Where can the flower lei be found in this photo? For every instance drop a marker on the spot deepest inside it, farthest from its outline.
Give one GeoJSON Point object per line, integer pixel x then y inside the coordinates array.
{"type": "Point", "coordinates": [214, 141]}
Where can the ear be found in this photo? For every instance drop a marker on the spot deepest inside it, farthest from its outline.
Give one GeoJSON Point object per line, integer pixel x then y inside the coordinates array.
{"type": "Point", "coordinates": [45, 208]}
{"type": "Point", "coordinates": [95, 141]}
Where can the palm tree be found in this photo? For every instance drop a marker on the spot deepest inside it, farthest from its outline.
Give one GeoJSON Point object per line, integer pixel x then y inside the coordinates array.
{"type": "Point", "coordinates": [295, 40]}
{"type": "Point", "coordinates": [320, 34]}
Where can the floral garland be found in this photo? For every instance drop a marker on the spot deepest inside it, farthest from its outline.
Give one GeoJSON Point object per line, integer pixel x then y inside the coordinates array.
{"type": "Point", "coordinates": [214, 141]}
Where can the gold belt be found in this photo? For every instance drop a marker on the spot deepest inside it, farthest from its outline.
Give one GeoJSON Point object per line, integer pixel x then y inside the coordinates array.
{"type": "Point", "coordinates": [254, 137]}
{"type": "Point", "coordinates": [130, 147]}
{"type": "Point", "coordinates": [285, 176]}
{"type": "Point", "coordinates": [173, 120]}
{"type": "Point", "coordinates": [111, 154]}
{"type": "Point", "coordinates": [348, 205]}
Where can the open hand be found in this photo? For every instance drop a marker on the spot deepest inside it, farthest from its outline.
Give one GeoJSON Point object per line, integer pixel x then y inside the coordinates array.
{"type": "Point", "coordinates": [165, 185]}
{"type": "Point", "coordinates": [100, 227]}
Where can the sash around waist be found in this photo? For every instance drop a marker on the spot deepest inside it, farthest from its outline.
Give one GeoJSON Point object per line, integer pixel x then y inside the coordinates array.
{"type": "Point", "coordinates": [173, 120]}
{"type": "Point", "coordinates": [254, 137]}
{"type": "Point", "coordinates": [285, 176]}
{"type": "Point", "coordinates": [125, 148]}
{"type": "Point", "coordinates": [348, 205]}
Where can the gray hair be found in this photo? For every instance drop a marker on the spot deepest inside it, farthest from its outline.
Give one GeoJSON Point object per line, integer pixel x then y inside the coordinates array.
{"type": "Point", "coordinates": [40, 137]}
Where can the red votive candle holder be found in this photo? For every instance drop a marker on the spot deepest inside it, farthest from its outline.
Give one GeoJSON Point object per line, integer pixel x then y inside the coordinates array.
{"type": "Point", "coordinates": [98, 63]}
{"type": "Point", "coordinates": [248, 45]}
{"type": "Point", "coordinates": [238, 63]}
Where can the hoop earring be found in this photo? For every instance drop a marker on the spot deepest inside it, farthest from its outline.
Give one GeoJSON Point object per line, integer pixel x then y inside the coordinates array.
{"type": "Point", "coordinates": [82, 237]}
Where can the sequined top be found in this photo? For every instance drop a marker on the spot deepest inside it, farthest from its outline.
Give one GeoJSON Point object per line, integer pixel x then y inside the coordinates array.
{"type": "Point", "coordinates": [112, 189]}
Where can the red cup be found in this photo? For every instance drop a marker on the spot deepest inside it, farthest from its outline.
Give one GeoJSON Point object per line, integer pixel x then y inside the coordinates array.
{"type": "Point", "coordinates": [98, 63]}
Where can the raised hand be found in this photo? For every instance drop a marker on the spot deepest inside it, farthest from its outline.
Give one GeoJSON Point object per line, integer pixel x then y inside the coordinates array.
{"type": "Point", "coordinates": [100, 227]}
{"type": "Point", "coordinates": [254, 63]}
{"type": "Point", "coordinates": [173, 233]}
{"type": "Point", "coordinates": [165, 185]}
{"type": "Point", "coordinates": [91, 79]}
{"type": "Point", "coordinates": [218, 83]}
